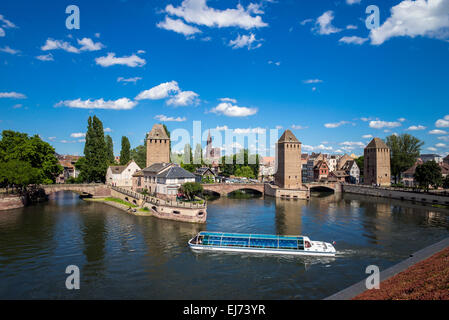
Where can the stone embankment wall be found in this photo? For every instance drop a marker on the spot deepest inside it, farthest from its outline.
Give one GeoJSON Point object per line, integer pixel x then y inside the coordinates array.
{"type": "Point", "coordinates": [9, 202]}
{"type": "Point", "coordinates": [275, 191]}
{"type": "Point", "coordinates": [166, 209]}
{"type": "Point", "coordinates": [396, 194]}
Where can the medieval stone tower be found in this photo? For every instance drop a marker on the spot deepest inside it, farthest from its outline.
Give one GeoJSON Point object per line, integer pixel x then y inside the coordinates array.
{"type": "Point", "coordinates": [158, 145]}
{"type": "Point", "coordinates": [288, 160]}
{"type": "Point", "coordinates": [376, 167]}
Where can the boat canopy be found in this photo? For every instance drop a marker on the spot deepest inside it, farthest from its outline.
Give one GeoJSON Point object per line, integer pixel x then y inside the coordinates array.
{"type": "Point", "coordinates": [250, 240]}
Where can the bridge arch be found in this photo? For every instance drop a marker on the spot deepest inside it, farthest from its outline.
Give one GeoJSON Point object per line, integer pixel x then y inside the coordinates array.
{"type": "Point", "coordinates": [224, 189]}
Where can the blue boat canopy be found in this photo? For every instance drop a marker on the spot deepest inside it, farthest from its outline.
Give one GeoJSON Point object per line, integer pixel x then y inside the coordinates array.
{"type": "Point", "coordinates": [251, 240]}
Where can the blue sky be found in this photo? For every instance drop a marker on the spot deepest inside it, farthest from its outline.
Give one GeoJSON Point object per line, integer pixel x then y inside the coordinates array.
{"type": "Point", "coordinates": [309, 66]}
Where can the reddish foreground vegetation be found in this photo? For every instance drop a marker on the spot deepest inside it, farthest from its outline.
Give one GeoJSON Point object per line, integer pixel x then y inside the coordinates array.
{"type": "Point", "coordinates": [426, 280]}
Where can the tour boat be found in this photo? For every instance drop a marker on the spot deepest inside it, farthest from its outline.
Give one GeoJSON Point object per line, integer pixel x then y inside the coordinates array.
{"type": "Point", "coordinates": [260, 243]}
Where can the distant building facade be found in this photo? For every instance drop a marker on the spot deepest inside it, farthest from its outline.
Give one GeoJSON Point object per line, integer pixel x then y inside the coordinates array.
{"type": "Point", "coordinates": [353, 171]}
{"type": "Point", "coordinates": [121, 176]}
{"type": "Point", "coordinates": [431, 157]}
{"type": "Point", "coordinates": [158, 145]}
{"type": "Point", "coordinates": [320, 171]}
{"type": "Point", "coordinates": [377, 169]}
{"type": "Point", "coordinates": [162, 179]}
{"type": "Point", "coordinates": [67, 162]}
{"type": "Point", "coordinates": [288, 162]}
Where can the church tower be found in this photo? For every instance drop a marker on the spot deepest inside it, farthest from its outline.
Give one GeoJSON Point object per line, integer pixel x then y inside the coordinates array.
{"type": "Point", "coordinates": [158, 146]}
{"type": "Point", "coordinates": [288, 160]}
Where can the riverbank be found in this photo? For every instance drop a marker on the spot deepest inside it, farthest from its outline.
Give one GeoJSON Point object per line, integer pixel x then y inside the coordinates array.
{"type": "Point", "coordinates": [409, 279]}
{"type": "Point", "coordinates": [426, 280]}
{"type": "Point", "coordinates": [117, 203]}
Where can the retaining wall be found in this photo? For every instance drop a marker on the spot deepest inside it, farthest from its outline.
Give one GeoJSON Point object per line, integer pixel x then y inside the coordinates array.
{"type": "Point", "coordinates": [396, 194]}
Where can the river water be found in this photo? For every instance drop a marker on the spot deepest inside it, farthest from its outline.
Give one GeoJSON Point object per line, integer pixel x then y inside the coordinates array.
{"type": "Point", "coordinates": [121, 256]}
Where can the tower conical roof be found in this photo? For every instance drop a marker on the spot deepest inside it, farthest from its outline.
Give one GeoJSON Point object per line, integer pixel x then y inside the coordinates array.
{"type": "Point", "coordinates": [377, 143]}
{"type": "Point", "coordinates": [158, 132]}
{"type": "Point", "coordinates": [288, 136]}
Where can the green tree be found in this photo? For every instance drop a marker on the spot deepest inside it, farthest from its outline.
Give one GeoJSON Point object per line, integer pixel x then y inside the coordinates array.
{"type": "Point", "coordinates": [110, 149]}
{"type": "Point", "coordinates": [428, 174]}
{"type": "Point", "coordinates": [446, 182]}
{"type": "Point", "coordinates": [404, 150]}
{"type": "Point", "coordinates": [32, 150]}
{"type": "Point", "coordinates": [198, 156]}
{"type": "Point", "coordinates": [125, 153]}
{"type": "Point", "coordinates": [244, 171]}
{"type": "Point", "coordinates": [139, 154]}
{"type": "Point", "coordinates": [19, 174]}
{"type": "Point", "coordinates": [191, 190]}
{"type": "Point", "coordinates": [95, 152]}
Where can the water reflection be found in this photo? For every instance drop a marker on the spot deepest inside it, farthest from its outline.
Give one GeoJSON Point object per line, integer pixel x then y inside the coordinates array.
{"type": "Point", "coordinates": [128, 257]}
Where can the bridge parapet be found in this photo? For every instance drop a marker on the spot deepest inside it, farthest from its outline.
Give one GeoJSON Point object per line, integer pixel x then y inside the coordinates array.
{"type": "Point", "coordinates": [225, 188]}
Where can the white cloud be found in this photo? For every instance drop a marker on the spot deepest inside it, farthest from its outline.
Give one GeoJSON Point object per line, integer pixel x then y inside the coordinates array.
{"type": "Point", "coordinates": [432, 149]}
{"type": "Point", "coordinates": [9, 50]}
{"type": "Point", "coordinates": [444, 138]}
{"type": "Point", "coordinates": [275, 63]}
{"type": "Point", "coordinates": [228, 100]}
{"type": "Point", "coordinates": [126, 80]}
{"type": "Point", "coordinates": [250, 130]}
{"type": "Point", "coordinates": [367, 136]}
{"type": "Point", "coordinates": [107, 130]}
{"type": "Point", "coordinates": [161, 91]}
{"type": "Point", "coordinates": [401, 119]}
{"type": "Point", "coordinates": [312, 81]}
{"type": "Point", "coordinates": [130, 61]}
{"type": "Point", "coordinates": [306, 21]}
{"type": "Point", "coordinates": [164, 118]}
{"type": "Point", "coordinates": [51, 44]}
{"type": "Point", "coordinates": [440, 145]}
{"type": "Point", "coordinates": [319, 147]}
{"type": "Point", "coordinates": [365, 119]}
{"type": "Point", "coordinates": [184, 98]}
{"type": "Point", "coordinates": [298, 127]}
{"type": "Point", "coordinates": [6, 23]}
{"type": "Point", "coordinates": [223, 128]}
{"type": "Point", "coordinates": [350, 2]}
{"type": "Point", "coordinates": [230, 110]}
{"type": "Point", "coordinates": [378, 124]}
{"type": "Point", "coordinates": [88, 45]}
{"type": "Point", "coordinates": [414, 18]}
{"type": "Point", "coordinates": [418, 127]}
{"type": "Point", "coordinates": [437, 131]}
{"type": "Point", "coordinates": [78, 135]}
{"type": "Point", "coordinates": [323, 24]}
{"type": "Point", "coordinates": [335, 125]}
{"type": "Point", "coordinates": [45, 57]}
{"type": "Point", "coordinates": [249, 41]}
{"type": "Point", "coordinates": [351, 27]}
{"type": "Point", "coordinates": [13, 95]}
{"type": "Point", "coordinates": [443, 123]}
{"type": "Point", "coordinates": [353, 40]}
{"type": "Point", "coordinates": [178, 26]}
{"type": "Point", "coordinates": [198, 12]}
{"type": "Point", "coordinates": [119, 104]}
{"type": "Point", "coordinates": [352, 144]}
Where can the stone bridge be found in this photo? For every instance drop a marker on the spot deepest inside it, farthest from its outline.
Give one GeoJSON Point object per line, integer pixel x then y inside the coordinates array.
{"type": "Point", "coordinates": [331, 186]}
{"type": "Point", "coordinates": [95, 190]}
{"type": "Point", "coordinates": [223, 189]}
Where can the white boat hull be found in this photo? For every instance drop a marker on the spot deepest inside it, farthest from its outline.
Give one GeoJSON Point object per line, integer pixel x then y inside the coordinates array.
{"type": "Point", "coordinates": [262, 250]}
